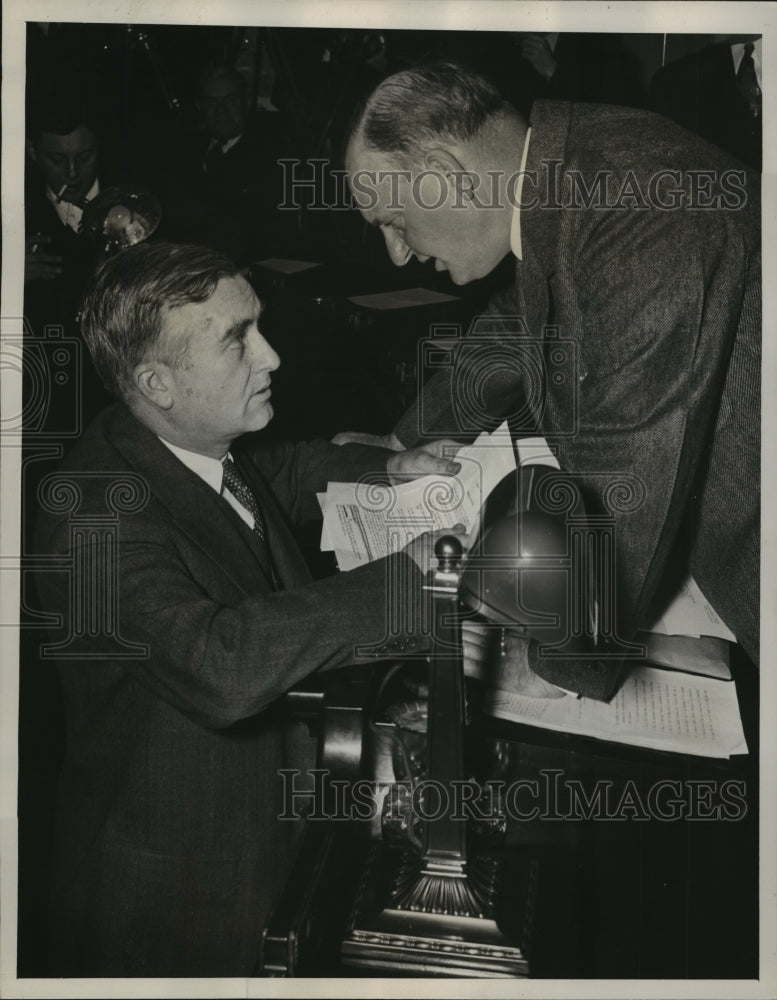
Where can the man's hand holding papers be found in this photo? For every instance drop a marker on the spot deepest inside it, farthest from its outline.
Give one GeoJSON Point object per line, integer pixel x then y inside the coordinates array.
{"type": "Point", "coordinates": [435, 458]}
{"type": "Point", "coordinates": [366, 521]}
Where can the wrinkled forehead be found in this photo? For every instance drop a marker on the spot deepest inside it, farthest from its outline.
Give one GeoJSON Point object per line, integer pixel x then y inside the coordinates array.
{"type": "Point", "coordinates": [232, 300]}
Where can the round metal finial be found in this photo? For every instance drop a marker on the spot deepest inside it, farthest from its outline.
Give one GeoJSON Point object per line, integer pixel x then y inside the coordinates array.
{"type": "Point", "coordinates": [448, 550]}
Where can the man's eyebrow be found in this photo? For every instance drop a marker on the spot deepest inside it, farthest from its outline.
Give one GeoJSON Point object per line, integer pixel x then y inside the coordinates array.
{"type": "Point", "coordinates": [240, 326]}
{"type": "Point", "coordinates": [236, 330]}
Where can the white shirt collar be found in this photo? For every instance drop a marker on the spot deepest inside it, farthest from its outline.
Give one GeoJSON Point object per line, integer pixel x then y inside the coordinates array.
{"type": "Point", "coordinates": [515, 225]}
{"type": "Point", "coordinates": [210, 470]}
{"type": "Point", "coordinates": [70, 214]}
{"type": "Point", "coordinates": [738, 51]}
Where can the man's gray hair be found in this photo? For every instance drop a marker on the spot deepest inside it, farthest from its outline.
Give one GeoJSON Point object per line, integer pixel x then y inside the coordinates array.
{"type": "Point", "coordinates": [411, 111]}
{"type": "Point", "coordinates": [121, 318]}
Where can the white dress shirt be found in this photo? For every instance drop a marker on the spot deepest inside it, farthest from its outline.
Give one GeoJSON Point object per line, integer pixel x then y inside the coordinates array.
{"type": "Point", "coordinates": [515, 226]}
{"type": "Point", "coordinates": [70, 214]}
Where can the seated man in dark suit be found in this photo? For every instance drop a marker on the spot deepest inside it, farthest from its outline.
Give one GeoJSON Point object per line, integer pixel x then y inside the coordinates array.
{"type": "Point", "coordinates": [200, 614]}
{"type": "Point", "coordinates": [631, 336]}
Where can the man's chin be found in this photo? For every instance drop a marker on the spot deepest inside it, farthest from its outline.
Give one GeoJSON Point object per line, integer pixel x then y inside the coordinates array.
{"type": "Point", "coordinates": [465, 277]}
{"type": "Point", "coordinates": [261, 416]}
{"type": "Point", "coordinates": [462, 278]}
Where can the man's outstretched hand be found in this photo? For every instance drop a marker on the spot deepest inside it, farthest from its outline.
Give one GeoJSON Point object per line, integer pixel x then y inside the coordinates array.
{"type": "Point", "coordinates": [432, 459]}
{"type": "Point", "coordinates": [435, 458]}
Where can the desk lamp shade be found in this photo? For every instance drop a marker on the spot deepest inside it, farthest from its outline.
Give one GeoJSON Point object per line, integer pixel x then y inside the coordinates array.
{"type": "Point", "coordinates": [520, 575]}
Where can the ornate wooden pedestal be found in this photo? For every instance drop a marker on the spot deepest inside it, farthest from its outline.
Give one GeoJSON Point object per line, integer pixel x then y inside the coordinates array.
{"type": "Point", "coordinates": [434, 912]}
{"type": "Point", "coordinates": [425, 922]}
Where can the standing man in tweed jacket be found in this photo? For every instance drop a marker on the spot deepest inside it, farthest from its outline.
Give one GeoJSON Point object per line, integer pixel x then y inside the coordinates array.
{"type": "Point", "coordinates": [637, 251]}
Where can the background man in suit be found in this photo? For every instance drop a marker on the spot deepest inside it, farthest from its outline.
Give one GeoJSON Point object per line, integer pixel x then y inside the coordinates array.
{"type": "Point", "coordinates": [572, 67]}
{"type": "Point", "coordinates": [222, 184]}
{"type": "Point", "coordinates": [64, 154]}
{"type": "Point", "coordinates": [630, 248]}
{"type": "Point", "coordinates": [717, 92]}
{"type": "Point", "coordinates": [169, 850]}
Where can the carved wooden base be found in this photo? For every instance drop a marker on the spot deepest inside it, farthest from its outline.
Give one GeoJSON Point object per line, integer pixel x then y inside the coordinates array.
{"type": "Point", "coordinates": [448, 926]}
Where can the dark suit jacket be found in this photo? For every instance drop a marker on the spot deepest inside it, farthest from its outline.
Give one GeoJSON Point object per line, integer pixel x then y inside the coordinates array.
{"type": "Point", "coordinates": [168, 848]}
{"type": "Point", "coordinates": [658, 320]}
{"type": "Point", "coordinates": [699, 92]}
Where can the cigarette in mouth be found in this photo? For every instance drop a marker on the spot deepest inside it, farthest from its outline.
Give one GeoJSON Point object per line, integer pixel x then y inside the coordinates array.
{"type": "Point", "coordinates": [60, 193]}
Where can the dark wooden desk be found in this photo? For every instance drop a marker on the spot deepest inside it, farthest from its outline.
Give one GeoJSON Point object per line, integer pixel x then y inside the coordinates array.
{"type": "Point", "coordinates": [657, 878]}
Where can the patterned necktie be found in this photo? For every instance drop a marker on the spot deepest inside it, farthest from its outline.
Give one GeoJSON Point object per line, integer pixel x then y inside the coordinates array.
{"type": "Point", "coordinates": [747, 81]}
{"type": "Point", "coordinates": [241, 491]}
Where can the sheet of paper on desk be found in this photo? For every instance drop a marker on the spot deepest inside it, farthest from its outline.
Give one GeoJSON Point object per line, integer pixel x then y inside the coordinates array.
{"type": "Point", "coordinates": [690, 613]}
{"type": "Point", "coordinates": [654, 708]}
{"type": "Point", "coordinates": [283, 266]}
{"type": "Point", "coordinates": [363, 523]}
{"type": "Point", "coordinates": [407, 298]}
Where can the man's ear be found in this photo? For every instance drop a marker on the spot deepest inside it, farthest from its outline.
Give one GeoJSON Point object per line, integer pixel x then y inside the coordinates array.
{"type": "Point", "coordinates": [443, 161]}
{"type": "Point", "coordinates": [152, 380]}
{"type": "Point", "coordinates": [460, 180]}
{"type": "Point", "coordinates": [29, 145]}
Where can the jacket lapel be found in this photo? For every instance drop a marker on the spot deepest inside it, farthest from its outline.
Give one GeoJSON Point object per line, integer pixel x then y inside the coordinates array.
{"type": "Point", "coordinates": [205, 517]}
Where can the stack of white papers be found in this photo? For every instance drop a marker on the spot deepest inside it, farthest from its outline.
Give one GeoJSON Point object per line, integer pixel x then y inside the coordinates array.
{"type": "Point", "coordinates": [363, 522]}
{"type": "Point", "coordinates": [654, 708]}
{"type": "Point", "coordinates": [690, 613]}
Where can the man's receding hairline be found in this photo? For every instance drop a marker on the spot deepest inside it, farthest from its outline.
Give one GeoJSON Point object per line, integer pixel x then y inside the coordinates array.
{"type": "Point", "coordinates": [485, 132]}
